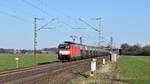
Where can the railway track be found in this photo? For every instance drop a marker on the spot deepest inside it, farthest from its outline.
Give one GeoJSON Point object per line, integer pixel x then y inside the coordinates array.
{"type": "Point", "coordinates": [26, 68]}
{"type": "Point", "coordinates": [45, 73]}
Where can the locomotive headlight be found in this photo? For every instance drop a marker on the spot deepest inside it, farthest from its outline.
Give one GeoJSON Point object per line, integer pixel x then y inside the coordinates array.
{"type": "Point", "coordinates": [63, 52]}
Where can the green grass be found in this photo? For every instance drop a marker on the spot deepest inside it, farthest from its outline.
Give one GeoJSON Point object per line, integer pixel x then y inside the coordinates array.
{"type": "Point", "coordinates": [135, 69]}
{"type": "Point", "coordinates": [7, 61]}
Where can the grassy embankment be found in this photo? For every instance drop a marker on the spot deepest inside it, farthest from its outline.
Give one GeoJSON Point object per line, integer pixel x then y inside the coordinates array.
{"type": "Point", "coordinates": [135, 69]}
{"type": "Point", "coordinates": [7, 61]}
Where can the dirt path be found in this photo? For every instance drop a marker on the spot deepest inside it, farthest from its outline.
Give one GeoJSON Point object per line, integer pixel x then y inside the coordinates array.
{"type": "Point", "coordinates": [105, 74]}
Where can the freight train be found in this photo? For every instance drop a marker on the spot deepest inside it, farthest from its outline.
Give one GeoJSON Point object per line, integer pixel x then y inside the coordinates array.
{"type": "Point", "coordinates": [69, 51]}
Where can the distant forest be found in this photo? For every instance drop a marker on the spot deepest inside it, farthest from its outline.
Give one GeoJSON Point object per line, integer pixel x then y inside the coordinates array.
{"type": "Point", "coordinates": [127, 49]}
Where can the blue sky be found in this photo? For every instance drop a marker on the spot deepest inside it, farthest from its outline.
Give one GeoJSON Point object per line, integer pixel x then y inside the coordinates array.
{"type": "Point", "coordinates": [124, 20]}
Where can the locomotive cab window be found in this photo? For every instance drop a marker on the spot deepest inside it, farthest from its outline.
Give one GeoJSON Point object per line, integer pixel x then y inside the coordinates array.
{"type": "Point", "coordinates": [64, 46]}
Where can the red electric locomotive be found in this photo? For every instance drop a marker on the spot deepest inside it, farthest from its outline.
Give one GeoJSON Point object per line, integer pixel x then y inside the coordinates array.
{"type": "Point", "coordinates": [68, 51]}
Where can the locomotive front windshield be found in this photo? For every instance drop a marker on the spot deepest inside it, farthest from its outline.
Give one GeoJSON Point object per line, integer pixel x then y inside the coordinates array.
{"type": "Point", "coordinates": [64, 46]}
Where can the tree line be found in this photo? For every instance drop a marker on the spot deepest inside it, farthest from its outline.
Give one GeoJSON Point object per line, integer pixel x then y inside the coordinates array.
{"type": "Point", "coordinates": [23, 51]}
{"type": "Point", "coordinates": [136, 49]}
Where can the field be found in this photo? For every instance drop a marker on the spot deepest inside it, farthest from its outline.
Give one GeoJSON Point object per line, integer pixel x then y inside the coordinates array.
{"type": "Point", "coordinates": [134, 69]}
{"type": "Point", "coordinates": [7, 61]}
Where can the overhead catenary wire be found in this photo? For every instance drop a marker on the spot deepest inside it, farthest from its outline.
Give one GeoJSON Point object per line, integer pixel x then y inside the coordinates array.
{"type": "Point", "coordinates": [13, 16]}
{"type": "Point", "coordinates": [72, 28]}
{"type": "Point", "coordinates": [58, 29]}
{"type": "Point", "coordinates": [95, 29]}
{"type": "Point", "coordinates": [34, 6]}
{"type": "Point", "coordinates": [68, 26]}
{"type": "Point", "coordinates": [60, 12]}
{"type": "Point", "coordinates": [13, 13]}
{"type": "Point", "coordinates": [46, 24]}
{"type": "Point", "coordinates": [5, 5]}
{"type": "Point", "coordinates": [89, 25]}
